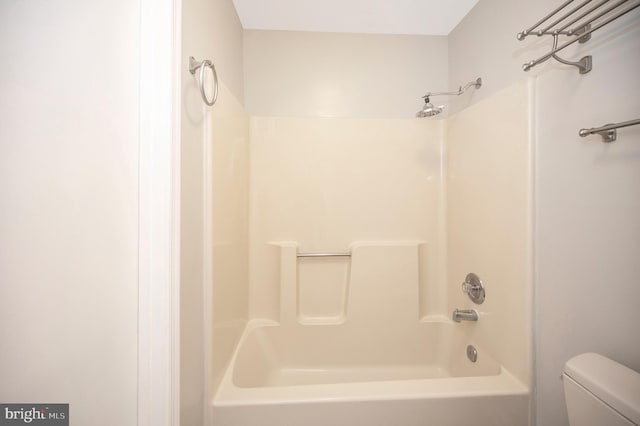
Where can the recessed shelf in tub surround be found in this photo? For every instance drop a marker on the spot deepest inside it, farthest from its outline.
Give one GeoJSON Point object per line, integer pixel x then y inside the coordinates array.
{"type": "Point", "coordinates": [379, 284]}
{"type": "Point", "coordinates": [322, 289]}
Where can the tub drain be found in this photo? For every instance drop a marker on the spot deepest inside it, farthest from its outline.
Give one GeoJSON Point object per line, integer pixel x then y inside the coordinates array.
{"type": "Point", "coordinates": [472, 353]}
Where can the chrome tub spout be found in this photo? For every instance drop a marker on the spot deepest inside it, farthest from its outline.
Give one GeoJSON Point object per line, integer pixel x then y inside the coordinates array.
{"type": "Point", "coordinates": [465, 315]}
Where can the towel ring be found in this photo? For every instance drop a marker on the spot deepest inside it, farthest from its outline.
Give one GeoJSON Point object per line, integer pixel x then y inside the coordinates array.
{"type": "Point", "coordinates": [193, 66]}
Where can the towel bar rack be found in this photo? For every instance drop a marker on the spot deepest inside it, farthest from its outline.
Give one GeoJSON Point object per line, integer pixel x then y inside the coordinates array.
{"type": "Point", "coordinates": [577, 27]}
{"type": "Point", "coordinates": [608, 131]}
{"type": "Point", "coordinates": [324, 254]}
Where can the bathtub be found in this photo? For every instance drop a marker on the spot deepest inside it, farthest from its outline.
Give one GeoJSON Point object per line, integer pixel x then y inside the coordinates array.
{"type": "Point", "coordinates": [349, 375]}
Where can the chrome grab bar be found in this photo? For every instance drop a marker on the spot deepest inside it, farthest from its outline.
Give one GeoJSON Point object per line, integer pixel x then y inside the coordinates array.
{"type": "Point", "coordinates": [323, 255]}
{"type": "Point", "coordinates": [193, 66]}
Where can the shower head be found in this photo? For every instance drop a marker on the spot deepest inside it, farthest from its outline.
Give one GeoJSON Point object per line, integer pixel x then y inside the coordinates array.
{"type": "Point", "coordinates": [429, 110]}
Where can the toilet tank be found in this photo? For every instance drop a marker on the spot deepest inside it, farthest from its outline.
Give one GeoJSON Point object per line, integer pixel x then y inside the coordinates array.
{"type": "Point", "coordinates": [599, 391]}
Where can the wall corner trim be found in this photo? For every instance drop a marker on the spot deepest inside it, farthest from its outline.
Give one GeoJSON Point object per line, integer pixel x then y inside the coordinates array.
{"type": "Point", "coordinates": [159, 215]}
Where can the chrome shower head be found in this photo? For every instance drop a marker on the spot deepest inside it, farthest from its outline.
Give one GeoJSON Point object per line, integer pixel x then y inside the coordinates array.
{"type": "Point", "coordinates": [429, 110]}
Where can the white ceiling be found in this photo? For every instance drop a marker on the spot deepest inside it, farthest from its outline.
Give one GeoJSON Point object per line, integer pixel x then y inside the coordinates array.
{"type": "Point", "coordinates": [424, 17]}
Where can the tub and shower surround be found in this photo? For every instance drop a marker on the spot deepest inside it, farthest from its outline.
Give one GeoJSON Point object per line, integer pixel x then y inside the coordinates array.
{"type": "Point", "coordinates": [368, 338]}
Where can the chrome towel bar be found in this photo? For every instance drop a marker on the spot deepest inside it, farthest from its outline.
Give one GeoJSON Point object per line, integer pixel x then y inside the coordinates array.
{"type": "Point", "coordinates": [608, 131]}
{"type": "Point", "coordinates": [324, 254]}
{"type": "Point", "coordinates": [193, 66]}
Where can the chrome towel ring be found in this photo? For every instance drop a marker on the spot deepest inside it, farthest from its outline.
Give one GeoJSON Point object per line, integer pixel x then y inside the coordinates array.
{"type": "Point", "coordinates": [193, 66]}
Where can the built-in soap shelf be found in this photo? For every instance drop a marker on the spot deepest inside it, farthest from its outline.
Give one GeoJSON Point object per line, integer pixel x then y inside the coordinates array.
{"type": "Point", "coordinates": [322, 287]}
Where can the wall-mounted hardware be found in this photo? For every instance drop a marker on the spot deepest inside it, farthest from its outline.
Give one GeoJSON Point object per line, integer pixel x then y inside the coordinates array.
{"type": "Point", "coordinates": [323, 255]}
{"type": "Point", "coordinates": [193, 66]}
{"type": "Point", "coordinates": [464, 315]}
{"type": "Point", "coordinates": [474, 288]}
{"type": "Point", "coordinates": [472, 353]}
{"type": "Point", "coordinates": [608, 131]}
{"type": "Point", "coordinates": [429, 110]}
{"type": "Point", "coordinates": [578, 24]}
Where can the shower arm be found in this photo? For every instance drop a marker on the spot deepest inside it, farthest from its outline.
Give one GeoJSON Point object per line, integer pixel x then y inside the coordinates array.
{"type": "Point", "coordinates": [477, 84]}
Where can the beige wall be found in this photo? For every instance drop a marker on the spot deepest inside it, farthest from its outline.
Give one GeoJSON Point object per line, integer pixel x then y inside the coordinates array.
{"type": "Point", "coordinates": [587, 194]}
{"type": "Point", "coordinates": [226, 43]}
{"type": "Point", "coordinates": [489, 212]}
{"type": "Point", "coordinates": [484, 44]}
{"type": "Point", "coordinates": [326, 183]}
{"type": "Point", "coordinates": [69, 216]}
{"type": "Point", "coordinates": [588, 205]}
{"type": "Point", "coordinates": [305, 74]}
{"type": "Point", "coordinates": [210, 30]}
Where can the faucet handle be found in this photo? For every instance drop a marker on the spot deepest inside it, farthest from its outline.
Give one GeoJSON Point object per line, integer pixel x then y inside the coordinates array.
{"type": "Point", "coordinates": [474, 288]}
{"type": "Point", "coordinates": [468, 287]}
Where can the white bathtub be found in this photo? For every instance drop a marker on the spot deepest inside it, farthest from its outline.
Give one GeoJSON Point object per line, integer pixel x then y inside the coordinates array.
{"type": "Point", "coordinates": [347, 375]}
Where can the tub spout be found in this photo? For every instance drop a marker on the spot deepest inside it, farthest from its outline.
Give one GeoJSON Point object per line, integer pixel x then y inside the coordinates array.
{"type": "Point", "coordinates": [465, 315]}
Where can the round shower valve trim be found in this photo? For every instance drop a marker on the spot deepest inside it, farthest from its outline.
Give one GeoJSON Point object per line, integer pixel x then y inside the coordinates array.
{"type": "Point", "coordinates": [474, 288]}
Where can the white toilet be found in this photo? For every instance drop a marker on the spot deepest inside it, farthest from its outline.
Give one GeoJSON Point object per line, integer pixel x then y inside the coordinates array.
{"type": "Point", "coordinates": [601, 392]}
